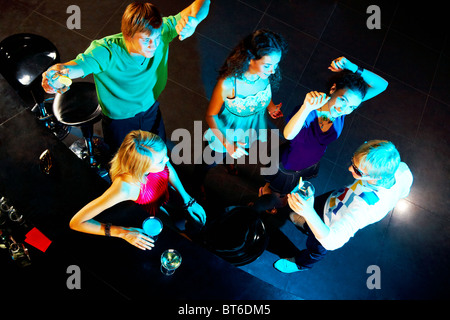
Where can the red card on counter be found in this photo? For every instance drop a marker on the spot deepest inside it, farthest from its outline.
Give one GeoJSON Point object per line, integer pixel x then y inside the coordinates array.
{"type": "Point", "coordinates": [37, 239]}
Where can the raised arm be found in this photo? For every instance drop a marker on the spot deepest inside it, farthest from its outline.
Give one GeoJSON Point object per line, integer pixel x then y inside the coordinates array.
{"type": "Point", "coordinates": [376, 83]}
{"type": "Point", "coordinates": [313, 100]}
{"type": "Point", "coordinates": [198, 9]}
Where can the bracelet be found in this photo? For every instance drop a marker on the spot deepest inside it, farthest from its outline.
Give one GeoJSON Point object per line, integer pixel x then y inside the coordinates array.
{"type": "Point", "coordinates": [359, 71]}
{"type": "Point", "coordinates": [189, 204]}
{"type": "Point", "coordinates": [108, 229]}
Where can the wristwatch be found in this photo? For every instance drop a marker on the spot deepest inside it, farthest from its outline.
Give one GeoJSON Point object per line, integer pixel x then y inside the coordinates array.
{"type": "Point", "coordinates": [359, 71]}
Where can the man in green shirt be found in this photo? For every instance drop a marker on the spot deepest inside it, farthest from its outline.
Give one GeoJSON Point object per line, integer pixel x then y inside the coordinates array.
{"type": "Point", "coordinates": [130, 68]}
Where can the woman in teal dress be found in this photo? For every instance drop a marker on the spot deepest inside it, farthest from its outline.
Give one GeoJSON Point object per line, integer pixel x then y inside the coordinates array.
{"type": "Point", "coordinates": [244, 89]}
{"type": "Point", "coordinates": [243, 94]}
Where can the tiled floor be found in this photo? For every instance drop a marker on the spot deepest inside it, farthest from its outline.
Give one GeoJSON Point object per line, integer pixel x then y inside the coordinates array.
{"type": "Point", "coordinates": [411, 51]}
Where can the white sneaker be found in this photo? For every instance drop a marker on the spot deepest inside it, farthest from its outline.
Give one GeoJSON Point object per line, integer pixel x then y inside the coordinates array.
{"type": "Point", "coordinates": [287, 265]}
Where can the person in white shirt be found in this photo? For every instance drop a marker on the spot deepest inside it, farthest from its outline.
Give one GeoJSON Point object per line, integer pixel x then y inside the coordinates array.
{"type": "Point", "coordinates": [330, 220]}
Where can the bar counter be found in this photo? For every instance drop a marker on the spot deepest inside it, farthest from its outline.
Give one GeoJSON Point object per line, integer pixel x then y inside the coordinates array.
{"type": "Point", "coordinates": [109, 267]}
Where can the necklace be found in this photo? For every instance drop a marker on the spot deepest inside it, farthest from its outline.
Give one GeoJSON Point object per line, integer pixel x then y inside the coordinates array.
{"type": "Point", "coordinates": [243, 78]}
{"type": "Point", "coordinates": [324, 118]}
{"type": "Point", "coordinates": [323, 121]}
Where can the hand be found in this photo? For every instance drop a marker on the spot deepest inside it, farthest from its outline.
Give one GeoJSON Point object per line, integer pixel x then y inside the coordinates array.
{"type": "Point", "coordinates": [236, 149]}
{"type": "Point", "coordinates": [137, 238]}
{"type": "Point", "coordinates": [50, 84]}
{"type": "Point", "coordinates": [275, 110]}
{"type": "Point", "coordinates": [342, 63]}
{"type": "Point", "coordinates": [186, 27]}
{"type": "Point", "coordinates": [315, 100]}
{"type": "Point", "coordinates": [301, 206]}
{"type": "Point", "coordinates": [197, 213]}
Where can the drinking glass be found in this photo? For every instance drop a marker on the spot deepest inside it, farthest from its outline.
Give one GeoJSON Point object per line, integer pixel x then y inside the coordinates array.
{"type": "Point", "coordinates": [170, 261]}
{"type": "Point", "coordinates": [14, 215]}
{"type": "Point", "coordinates": [305, 190]}
{"type": "Point", "coordinates": [4, 206]}
{"type": "Point", "coordinates": [152, 227]}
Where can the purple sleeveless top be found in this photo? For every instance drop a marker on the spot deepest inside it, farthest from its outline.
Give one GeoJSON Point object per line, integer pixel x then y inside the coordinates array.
{"type": "Point", "coordinates": [155, 192]}
{"type": "Point", "coordinates": [310, 144]}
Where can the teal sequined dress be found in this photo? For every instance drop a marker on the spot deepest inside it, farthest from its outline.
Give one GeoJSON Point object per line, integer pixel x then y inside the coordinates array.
{"type": "Point", "coordinates": [244, 119]}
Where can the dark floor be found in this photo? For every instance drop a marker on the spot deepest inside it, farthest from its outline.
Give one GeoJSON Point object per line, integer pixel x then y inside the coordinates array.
{"type": "Point", "coordinates": [411, 51]}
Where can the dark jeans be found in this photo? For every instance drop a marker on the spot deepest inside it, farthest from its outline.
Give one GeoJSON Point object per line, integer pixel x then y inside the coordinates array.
{"type": "Point", "coordinates": [314, 251]}
{"type": "Point", "coordinates": [114, 131]}
{"type": "Point", "coordinates": [284, 181]}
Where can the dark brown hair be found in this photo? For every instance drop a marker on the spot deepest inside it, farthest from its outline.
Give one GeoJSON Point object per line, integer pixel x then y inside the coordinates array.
{"type": "Point", "coordinates": [254, 46]}
{"type": "Point", "coordinates": [349, 80]}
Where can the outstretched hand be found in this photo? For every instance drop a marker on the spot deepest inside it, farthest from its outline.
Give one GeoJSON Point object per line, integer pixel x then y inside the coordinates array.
{"type": "Point", "coordinates": [138, 238]}
{"type": "Point", "coordinates": [50, 82]}
{"type": "Point", "coordinates": [197, 213]}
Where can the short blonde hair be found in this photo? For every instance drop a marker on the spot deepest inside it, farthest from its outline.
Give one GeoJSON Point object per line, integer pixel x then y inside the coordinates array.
{"type": "Point", "coordinates": [135, 155]}
{"type": "Point", "coordinates": [140, 17]}
{"type": "Point", "coordinates": [380, 158]}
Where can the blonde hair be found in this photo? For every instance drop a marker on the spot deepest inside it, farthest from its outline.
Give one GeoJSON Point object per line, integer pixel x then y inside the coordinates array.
{"type": "Point", "coordinates": [140, 17]}
{"type": "Point", "coordinates": [380, 158]}
{"type": "Point", "coordinates": [135, 155]}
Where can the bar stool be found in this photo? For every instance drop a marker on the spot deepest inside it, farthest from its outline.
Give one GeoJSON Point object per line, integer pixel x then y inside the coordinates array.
{"type": "Point", "coordinates": [79, 107]}
{"type": "Point", "coordinates": [23, 59]}
{"type": "Point", "coordinates": [237, 235]}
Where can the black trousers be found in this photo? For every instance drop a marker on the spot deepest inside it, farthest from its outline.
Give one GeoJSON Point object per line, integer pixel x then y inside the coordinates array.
{"type": "Point", "coordinates": [314, 251]}
{"type": "Point", "coordinates": [114, 131]}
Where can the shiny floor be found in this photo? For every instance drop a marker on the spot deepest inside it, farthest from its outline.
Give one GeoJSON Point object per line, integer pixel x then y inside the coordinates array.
{"type": "Point", "coordinates": [411, 50]}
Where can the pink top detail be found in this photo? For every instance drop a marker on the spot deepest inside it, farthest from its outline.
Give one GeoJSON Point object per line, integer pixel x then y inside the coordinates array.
{"type": "Point", "coordinates": [155, 192]}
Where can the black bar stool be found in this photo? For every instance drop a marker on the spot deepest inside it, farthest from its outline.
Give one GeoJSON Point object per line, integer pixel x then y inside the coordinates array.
{"type": "Point", "coordinates": [237, 235]}
{"type": "Point", "coordinates": [79, 107]}
{"type": "Point", "coordinates": [23, 59]}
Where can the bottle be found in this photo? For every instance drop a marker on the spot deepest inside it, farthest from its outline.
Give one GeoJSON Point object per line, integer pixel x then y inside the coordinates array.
{"type": "Point", "coordinates": [4, 243]}
{"type": "Point", "coordinates": [19, 253]}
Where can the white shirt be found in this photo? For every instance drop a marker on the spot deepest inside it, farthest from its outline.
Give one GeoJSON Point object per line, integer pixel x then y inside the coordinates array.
{"type": "Point", "coordinates": [352, 208]}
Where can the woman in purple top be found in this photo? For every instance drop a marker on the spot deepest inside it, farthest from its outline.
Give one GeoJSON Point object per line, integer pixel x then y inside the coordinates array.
{"type": "Point", "coordinates": [318, 122]}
